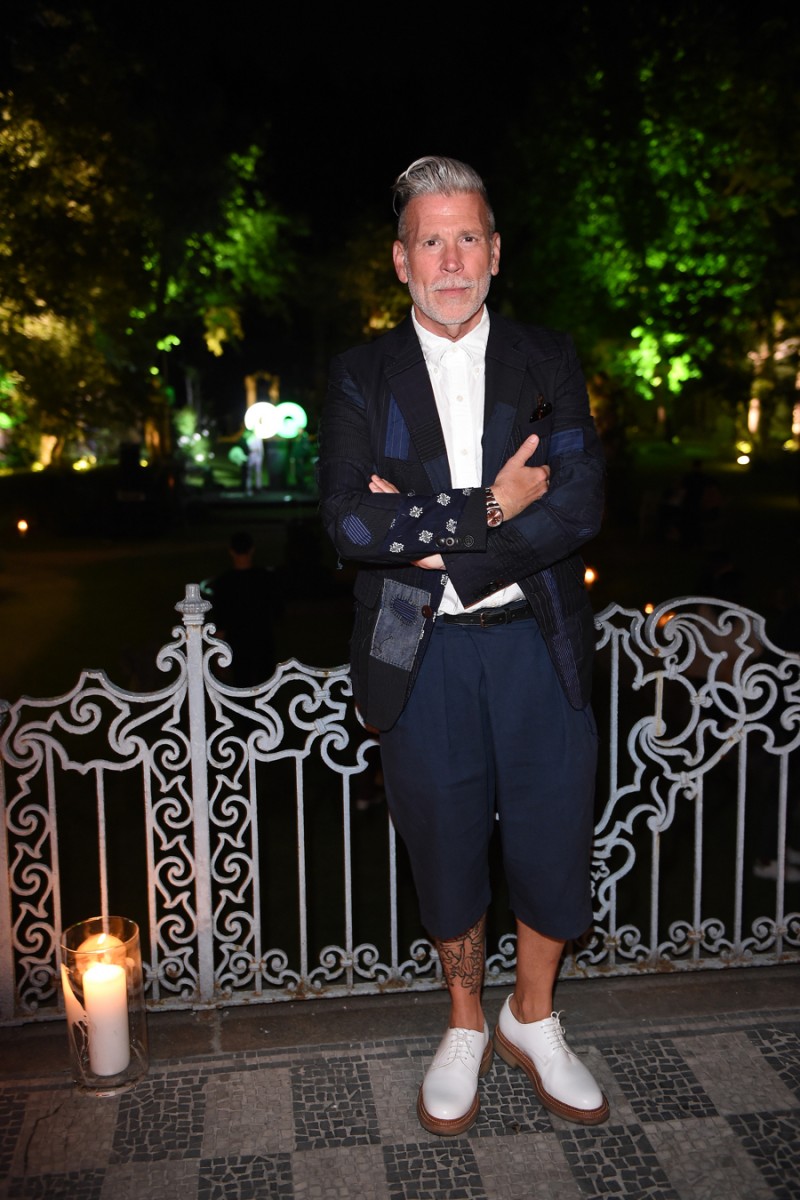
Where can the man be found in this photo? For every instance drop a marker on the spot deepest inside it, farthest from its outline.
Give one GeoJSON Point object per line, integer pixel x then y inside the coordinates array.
{"type": "Point", "coordinates": [460, 466]}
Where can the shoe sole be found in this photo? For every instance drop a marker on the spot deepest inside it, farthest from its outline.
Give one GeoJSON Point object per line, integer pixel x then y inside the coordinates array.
{"type": "Point", "coordinates": [460, 1124]}
{"type": "Point", "coordinates": [514, 1057]}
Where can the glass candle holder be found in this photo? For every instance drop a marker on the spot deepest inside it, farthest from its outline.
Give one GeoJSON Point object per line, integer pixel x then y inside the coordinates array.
{"type": "Point", "coordinates": [101, 973]}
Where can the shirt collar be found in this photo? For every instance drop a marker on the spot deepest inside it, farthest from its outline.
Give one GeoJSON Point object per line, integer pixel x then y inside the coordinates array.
{"type": "Point", "coordinates": [474, 342]}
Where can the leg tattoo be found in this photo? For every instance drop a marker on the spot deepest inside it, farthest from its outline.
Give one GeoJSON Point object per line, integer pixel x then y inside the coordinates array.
{"type": "Point", "coordinates": [463, 958]}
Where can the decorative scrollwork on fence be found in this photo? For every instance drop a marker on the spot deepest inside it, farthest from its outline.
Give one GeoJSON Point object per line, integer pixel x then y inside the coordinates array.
{"type": "Point", "coordinates": [705, 717]}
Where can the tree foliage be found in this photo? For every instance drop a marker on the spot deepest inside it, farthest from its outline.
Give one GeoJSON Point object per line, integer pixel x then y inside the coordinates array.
{"type": "Point", "coordinates": [66, 262]}
{"type": "Point", "coordinates": [243, 257]}
{"type": "Point", "coordinates": [661, 207]}
{"type": "Point", "coordinates": [110, 255]}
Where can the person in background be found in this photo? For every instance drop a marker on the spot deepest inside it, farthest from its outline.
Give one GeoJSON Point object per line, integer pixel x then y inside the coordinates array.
{"type": "Point", "coordinates": [460, 468]}
{"type": "Point", "coordinates": [255, 464]}
{"type": "Point", "coordinates": [246, 603]}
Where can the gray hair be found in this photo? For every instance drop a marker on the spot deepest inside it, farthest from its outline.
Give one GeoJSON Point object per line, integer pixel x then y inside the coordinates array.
{"type": "Point", "coordinates": [436, 176]}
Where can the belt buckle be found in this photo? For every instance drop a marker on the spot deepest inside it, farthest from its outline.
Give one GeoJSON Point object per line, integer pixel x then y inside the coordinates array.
{"type": "Point", "coordinates": [494, 617]}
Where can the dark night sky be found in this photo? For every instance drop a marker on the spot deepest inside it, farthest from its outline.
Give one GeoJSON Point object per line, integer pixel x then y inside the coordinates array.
{"type": "Point", "coordinates": [341, 102]}
{"type": "Point", "coordinates": [344, 99]}
{"type": "Point", "coordinates": [339, 124]}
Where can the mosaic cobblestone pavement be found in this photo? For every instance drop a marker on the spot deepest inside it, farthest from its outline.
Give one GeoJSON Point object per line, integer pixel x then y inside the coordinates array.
{"type": "Point", "coordinates": [702, 1109]}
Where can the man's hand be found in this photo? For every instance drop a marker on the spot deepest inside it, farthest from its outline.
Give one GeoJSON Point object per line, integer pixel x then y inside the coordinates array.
{"type": "Point", "coordinates": [516, 485]}
{"type": "Point", "coordinates": [376, 484]}
{"type": "Point", "coordinates": [432, 562]}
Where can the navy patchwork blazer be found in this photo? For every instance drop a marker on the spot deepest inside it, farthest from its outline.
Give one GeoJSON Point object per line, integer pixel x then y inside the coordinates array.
{"type": "Point", "coordinates": [380, 417]}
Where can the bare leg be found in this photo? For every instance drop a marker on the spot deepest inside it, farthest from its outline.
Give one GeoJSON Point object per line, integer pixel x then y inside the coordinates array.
{"type": "Point", "coordinates": [463, 959]}
{"type": "Point", "coordinates": [538, 959]}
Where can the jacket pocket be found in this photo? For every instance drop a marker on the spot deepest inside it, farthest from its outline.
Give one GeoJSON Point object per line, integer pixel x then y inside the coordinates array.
{"type": "Point", "coordinates": [398, 629]}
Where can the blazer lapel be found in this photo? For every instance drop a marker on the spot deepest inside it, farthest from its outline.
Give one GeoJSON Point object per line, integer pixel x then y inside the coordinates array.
{"type": "Point", "coordinates": [505, 377]}
{"type": "Point", "coordinates": [411, 388]}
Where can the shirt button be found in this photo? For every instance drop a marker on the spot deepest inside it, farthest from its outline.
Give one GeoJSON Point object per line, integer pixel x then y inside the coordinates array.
{"type": "Point", "coordinates": [427, 611]}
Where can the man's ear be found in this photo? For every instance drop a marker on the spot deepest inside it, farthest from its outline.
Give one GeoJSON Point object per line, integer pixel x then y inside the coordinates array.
{"type": "Point", "coordinates": [494, 264]}
{"type": "Point", "coordinates": [399, 259]}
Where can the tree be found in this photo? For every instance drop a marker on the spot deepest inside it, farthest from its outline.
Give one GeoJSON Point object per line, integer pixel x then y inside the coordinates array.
{"type": "Point", "coordinates": [135, 229]}
{"type": "Point", "coordinates": [65, 275]}
{"type": "Point", "coordinates": [243, 257]}
{"type": "Point", "coordinates": [95, 284]}
{"type": "Point", "coordinates": [662, 213]}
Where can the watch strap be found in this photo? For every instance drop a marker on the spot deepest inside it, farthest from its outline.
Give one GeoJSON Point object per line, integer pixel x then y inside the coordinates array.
{"type": "Point", "coordinates": [494, 513]}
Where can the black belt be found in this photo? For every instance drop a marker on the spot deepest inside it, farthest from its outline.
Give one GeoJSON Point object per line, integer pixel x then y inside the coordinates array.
{"type": "Point", "coordinates": [520, 610]}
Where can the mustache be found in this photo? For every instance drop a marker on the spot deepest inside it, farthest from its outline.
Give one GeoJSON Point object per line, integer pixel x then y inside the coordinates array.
{"type": "Point", "coordinates": [449, 285]}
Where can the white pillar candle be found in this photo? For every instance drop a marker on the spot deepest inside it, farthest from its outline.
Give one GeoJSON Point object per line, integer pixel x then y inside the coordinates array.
{"type": "Point", "coordinates": [105, 996]}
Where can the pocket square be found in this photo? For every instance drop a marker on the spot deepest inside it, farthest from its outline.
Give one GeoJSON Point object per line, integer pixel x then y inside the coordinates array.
{"type": "Point", "coordinates": [543, 409]}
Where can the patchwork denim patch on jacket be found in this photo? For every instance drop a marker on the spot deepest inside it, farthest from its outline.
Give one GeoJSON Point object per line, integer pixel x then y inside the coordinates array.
{"type": "Point", "coordinates": [400, 622]}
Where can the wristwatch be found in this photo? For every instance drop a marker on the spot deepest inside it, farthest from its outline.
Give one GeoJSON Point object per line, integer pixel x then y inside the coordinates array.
{"type": "Point", "coordinates": [494, 513]}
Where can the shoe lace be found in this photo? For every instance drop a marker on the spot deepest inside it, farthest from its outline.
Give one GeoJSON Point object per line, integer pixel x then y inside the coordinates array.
{"type": "Point", "coordinates": [461, 1046]}
{"type": "Point", "coordinates": [555, 1033]}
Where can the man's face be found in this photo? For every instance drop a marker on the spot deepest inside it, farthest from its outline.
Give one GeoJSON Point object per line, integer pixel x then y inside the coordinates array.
{"type": "Point", "coordinates": [449, 261]}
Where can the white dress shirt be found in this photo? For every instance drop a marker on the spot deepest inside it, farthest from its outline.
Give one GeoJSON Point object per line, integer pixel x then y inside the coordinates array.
{"type": "Point", "coordinates": [457, 373]}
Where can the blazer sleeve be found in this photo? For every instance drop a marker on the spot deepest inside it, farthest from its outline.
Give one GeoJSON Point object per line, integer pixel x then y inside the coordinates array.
{"type": "Point", "coordinates": [383, 528]}
{"type": "Point", "coordinates": [569, 514]}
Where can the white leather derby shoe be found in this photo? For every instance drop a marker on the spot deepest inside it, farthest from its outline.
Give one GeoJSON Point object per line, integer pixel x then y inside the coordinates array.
{"type": "Point", "coordinates": [448, 1099]}
{"type": "Point", "coordinates": [563, 1084]}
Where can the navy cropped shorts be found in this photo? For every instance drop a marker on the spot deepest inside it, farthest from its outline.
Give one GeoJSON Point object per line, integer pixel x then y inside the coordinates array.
{"type": "Point", "coordinates": [488, 736]}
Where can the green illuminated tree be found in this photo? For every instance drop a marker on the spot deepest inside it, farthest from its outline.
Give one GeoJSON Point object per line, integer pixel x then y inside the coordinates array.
{"type": "Point", "coordinates": [662, 215]}
{"type": "Point", "coordinates": [135, 233]}
{"type": "Point", "coordinates": [97, 288]}
{"type": "Point", "coordinates": [64, 273]}
{"type": "Point", "coordinates": [243, 258]}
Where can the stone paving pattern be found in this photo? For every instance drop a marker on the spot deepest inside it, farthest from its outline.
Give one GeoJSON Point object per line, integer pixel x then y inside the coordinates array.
{"type": "Point", "coordinates": [702, 1108]}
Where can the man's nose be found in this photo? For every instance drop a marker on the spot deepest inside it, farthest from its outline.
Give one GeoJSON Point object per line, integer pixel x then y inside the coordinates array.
{"type": "Point", "coordinates": [451, 258]}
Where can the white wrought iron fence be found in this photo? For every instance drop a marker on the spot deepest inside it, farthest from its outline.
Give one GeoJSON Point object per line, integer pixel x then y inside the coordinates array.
{"type": "Point", "coordinates": [236, 827]}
